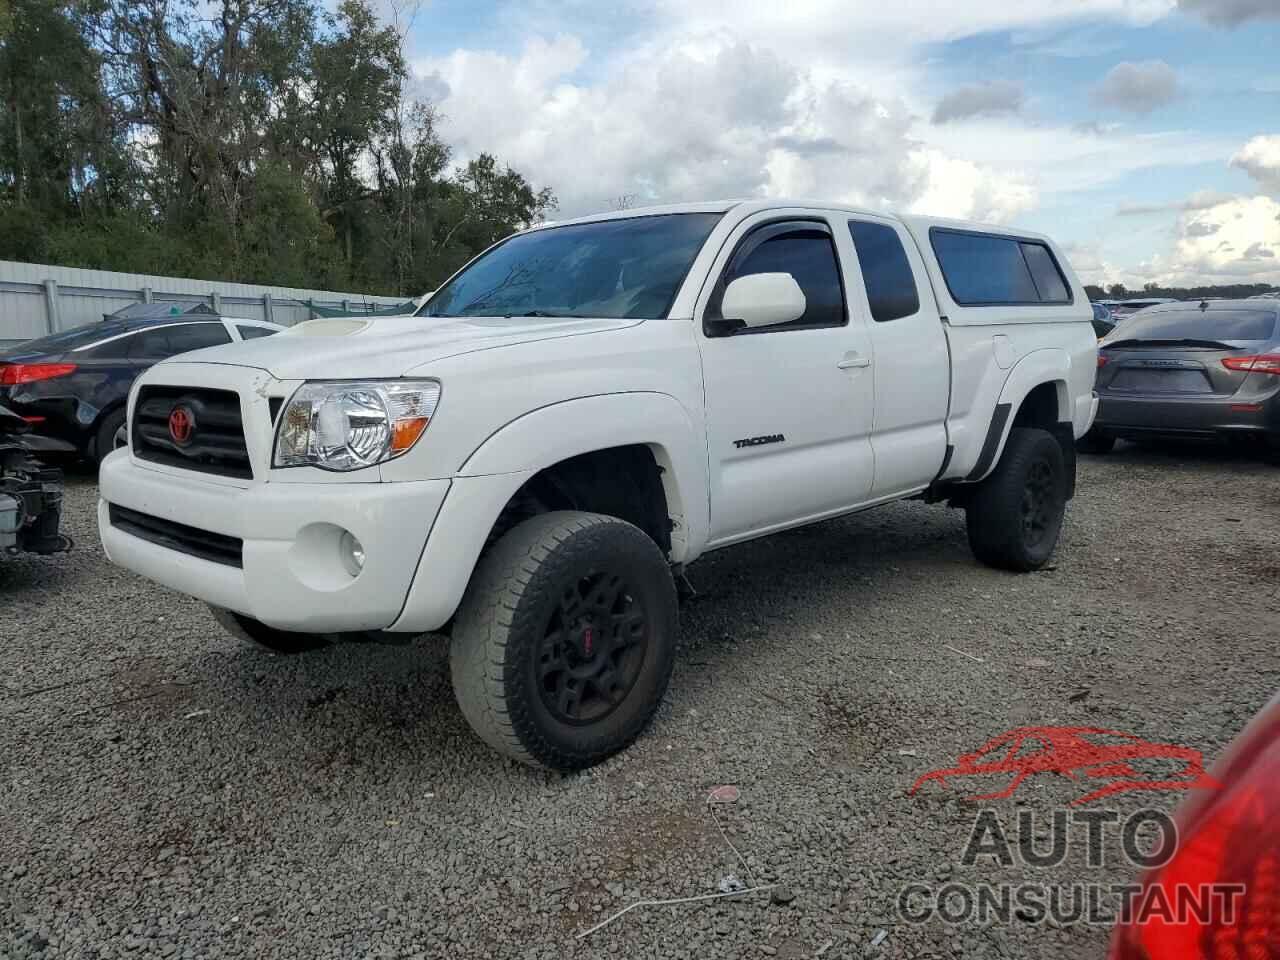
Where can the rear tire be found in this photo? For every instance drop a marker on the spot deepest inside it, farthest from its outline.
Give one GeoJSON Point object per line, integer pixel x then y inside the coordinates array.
{"type": "Point", "coordinates": [1096, 442]}
{"type": "Point", "coordinates": [1015, 515]}
{"type": "Point", "coordinates": [258, 634]}
{"type": "Point", "coordinates": [105, 439]}
{"type": "Point", "coordinates": [565, 640]}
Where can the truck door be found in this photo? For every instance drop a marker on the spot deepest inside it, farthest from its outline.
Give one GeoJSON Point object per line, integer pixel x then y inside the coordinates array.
{"type": "Point", "coordinates": [909, 347]}
{"type": "Point", "coordinates": [788, 407]}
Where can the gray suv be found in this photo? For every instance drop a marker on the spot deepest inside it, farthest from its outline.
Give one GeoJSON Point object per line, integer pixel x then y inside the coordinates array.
{"type": "Point", "coordinates": [1209, 370]}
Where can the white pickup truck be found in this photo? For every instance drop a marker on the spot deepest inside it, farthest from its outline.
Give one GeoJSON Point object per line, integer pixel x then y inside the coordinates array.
{"type": "Point", "coordinates": [533, 458]}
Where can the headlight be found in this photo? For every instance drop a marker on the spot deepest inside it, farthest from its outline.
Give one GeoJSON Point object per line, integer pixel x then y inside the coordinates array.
{"type": "Point", "coordinates": [347, 425]}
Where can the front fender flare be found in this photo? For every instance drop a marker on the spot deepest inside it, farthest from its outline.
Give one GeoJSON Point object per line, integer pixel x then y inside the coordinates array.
{"type": "Point", "coordinates": [550, 434]}
{"type": "Point", "coordinates": [539, 439]}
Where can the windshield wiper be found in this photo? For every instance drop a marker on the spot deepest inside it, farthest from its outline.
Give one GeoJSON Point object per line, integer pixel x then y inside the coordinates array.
{"type": "Point", "coordinates": [538, 313]}
{"type": "Point", "coordinates": [1176, 342]}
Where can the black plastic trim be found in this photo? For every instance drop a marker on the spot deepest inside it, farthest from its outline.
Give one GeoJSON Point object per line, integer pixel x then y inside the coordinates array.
{"type": "Point", "coordinates": [214, 547]}
{"type": "Point", "coordinates": [989, 447]}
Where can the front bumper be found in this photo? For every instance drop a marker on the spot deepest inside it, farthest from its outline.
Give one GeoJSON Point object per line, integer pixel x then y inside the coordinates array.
{"type": "Point", "coordinates": [292, 577]}
{"type": "Point", "coordinates": [1207, 417]}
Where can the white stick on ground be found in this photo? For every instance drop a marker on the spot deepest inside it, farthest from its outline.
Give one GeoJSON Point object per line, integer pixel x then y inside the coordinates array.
{"type": "Point", "coordinates": [669, 903]}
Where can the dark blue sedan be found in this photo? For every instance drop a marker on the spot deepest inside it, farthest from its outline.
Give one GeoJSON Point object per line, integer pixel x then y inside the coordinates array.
{"type": "Point", "coordinates": [71, 387]}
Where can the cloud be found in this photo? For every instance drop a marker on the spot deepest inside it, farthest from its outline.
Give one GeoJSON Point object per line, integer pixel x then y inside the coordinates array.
{"type": "Point", "coordinates": [1231, 13]}
{"type": "Point", "coordinates": [1138, 87]}
{"type": "Point", "coordinates": [979, 100]}
{"type": "Point", "coordinates": [1260, 158]}
{"type": "Point", "coordinates": [1202, 200]}
{"type": "Point", "coordinates": [1208, 244]}
{"type": "Point", "coordinates": [708, 116]}
{"type": "Point", "coordinates": [1091, 266]}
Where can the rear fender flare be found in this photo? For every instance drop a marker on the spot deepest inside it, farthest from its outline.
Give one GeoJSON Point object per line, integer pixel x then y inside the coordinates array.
{"type": "Point", "coordinates": [1049, 365]}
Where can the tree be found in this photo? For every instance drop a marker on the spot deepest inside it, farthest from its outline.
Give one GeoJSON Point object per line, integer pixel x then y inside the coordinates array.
{"type": "Point", "coordinates": [257, 140]}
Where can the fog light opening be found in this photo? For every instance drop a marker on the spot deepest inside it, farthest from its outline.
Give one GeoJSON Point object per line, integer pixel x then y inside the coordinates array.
{"type": "Point", "coordinates": [352, 552]}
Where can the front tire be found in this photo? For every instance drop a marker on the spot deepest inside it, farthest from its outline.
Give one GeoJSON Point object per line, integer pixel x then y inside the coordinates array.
{"type": "Point", "coordinates": [565, 640]}
{"type": "Point", "coordinates": [104, 440]}
{"type": "Point", "coordinates": [1015, 515]}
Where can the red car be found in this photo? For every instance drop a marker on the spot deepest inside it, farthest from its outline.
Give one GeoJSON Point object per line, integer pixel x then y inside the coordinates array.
{"type": "Point", "coordinates": [1227, 836]}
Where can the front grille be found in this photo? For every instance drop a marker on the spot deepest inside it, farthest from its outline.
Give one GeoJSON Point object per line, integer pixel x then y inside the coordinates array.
{"type": "Point", "coordinates": [214, 547]}
{"type": "Point", "coordinates": [216, 440]}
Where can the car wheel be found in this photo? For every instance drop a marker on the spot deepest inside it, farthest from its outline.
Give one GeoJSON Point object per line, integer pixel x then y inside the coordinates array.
{"type": "Point", "coordinates": [258, 634]}
{"type": "Point", "coordinates": [565, 640]}
{"type": "Point", "coordinates": [105, 438]}
{"type": "Point", "coordinates": [1015, 515]}
{"type": "Point", "coordinates": [1096, 442]}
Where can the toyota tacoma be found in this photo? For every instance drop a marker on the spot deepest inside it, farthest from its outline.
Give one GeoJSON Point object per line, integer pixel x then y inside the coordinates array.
{"type": "Point", "coordinates": [532, 460]}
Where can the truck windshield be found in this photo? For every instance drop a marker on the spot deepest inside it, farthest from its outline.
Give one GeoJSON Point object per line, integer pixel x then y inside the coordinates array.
{"type": "Point", "coordinates": [616, 269]}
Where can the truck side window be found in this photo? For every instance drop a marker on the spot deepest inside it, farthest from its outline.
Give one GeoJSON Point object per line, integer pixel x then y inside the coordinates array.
{"type": "Point", "coordinates": [986, 270]}
{"type": "Point", "coordinates": [886, 271]}
{"type": "Point", "coordinates": [805, 251]}
{"type": "Point", "coordinates": [1053, 289]}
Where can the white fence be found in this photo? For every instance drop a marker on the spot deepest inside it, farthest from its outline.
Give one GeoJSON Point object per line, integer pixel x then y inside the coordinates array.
{"type": "Point", "coordinates": [36, 299]}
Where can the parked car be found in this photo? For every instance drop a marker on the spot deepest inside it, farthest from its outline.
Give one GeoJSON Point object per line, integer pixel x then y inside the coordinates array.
{"type": "Point", "coordinates": [1103, 323]}
{"type": "Point", "coordinates": [71, 387]}
{"type": "Point", "coordinates": [1227, 845]}
{"type": "Point", "coordinates": [30, 494]}
{"type": "Point", "coordinates": [1202, 370]}
{"type": "Point", "coordinates": [1127, 308]}
{"type": "Point", "coordinates": [533, 463]}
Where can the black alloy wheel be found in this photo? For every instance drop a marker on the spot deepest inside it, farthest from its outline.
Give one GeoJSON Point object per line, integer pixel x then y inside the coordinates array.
{"type": "Point", "coordinates": [593, 649]}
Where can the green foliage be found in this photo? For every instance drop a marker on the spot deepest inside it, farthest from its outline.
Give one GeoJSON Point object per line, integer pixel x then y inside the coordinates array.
{"type": "Point", "coordinates": [263, 141]}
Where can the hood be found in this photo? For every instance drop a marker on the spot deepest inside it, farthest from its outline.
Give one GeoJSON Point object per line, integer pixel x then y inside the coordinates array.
{"type": "Point", "coordinates": [370, 348]}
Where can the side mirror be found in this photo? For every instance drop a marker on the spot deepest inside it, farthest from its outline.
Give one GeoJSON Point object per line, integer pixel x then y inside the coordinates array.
{"type": "Point", "coordinates": [763, 300]}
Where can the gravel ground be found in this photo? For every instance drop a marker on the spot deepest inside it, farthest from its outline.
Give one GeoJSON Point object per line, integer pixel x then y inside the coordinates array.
{"type": "Point", "coordinates": [167, 792]}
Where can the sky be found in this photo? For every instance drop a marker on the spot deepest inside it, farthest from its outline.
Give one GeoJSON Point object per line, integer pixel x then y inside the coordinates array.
{"type": "Point", "coordinates": [1143, 135]}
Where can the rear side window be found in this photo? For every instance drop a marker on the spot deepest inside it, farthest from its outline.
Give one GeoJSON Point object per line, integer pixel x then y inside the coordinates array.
{"type": "Point", "coordinates": [886, 271]}
{"type": "Point", "coordinates": [165, 342]}
{"type": "Point", "coordinates": [1192, 323]}
{"type": "Point", "coordinates": [803, 250]}
{"type": "Point", "coordinates": [252, 333]}
{"type": "Point", "coordinates": [116, 349]}
{"type": "Point", "coordinates": [985, 270]}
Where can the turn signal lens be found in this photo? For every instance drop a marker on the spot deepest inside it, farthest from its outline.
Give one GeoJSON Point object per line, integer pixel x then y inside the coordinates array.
{"type": "Point", "coordinates": [15, 373]}
{"type": "Point", "coordinates": [1102, 361]}
{"type": "Point", "coordinates": [1261, 363]}
{"type": "Point", "coordinates": [405, 433]}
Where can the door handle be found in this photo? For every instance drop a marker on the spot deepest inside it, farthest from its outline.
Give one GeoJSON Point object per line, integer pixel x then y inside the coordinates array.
{"type": "Point", "coordinates": [853, 361]}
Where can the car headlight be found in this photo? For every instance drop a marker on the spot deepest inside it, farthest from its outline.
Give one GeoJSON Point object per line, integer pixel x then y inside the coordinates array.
{"type": "Point", "coordinates": [347, 425]}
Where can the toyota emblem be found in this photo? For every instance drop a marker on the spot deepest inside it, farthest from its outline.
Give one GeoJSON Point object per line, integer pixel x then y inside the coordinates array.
{"type": "Point", "coordinates": [182, 425]}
